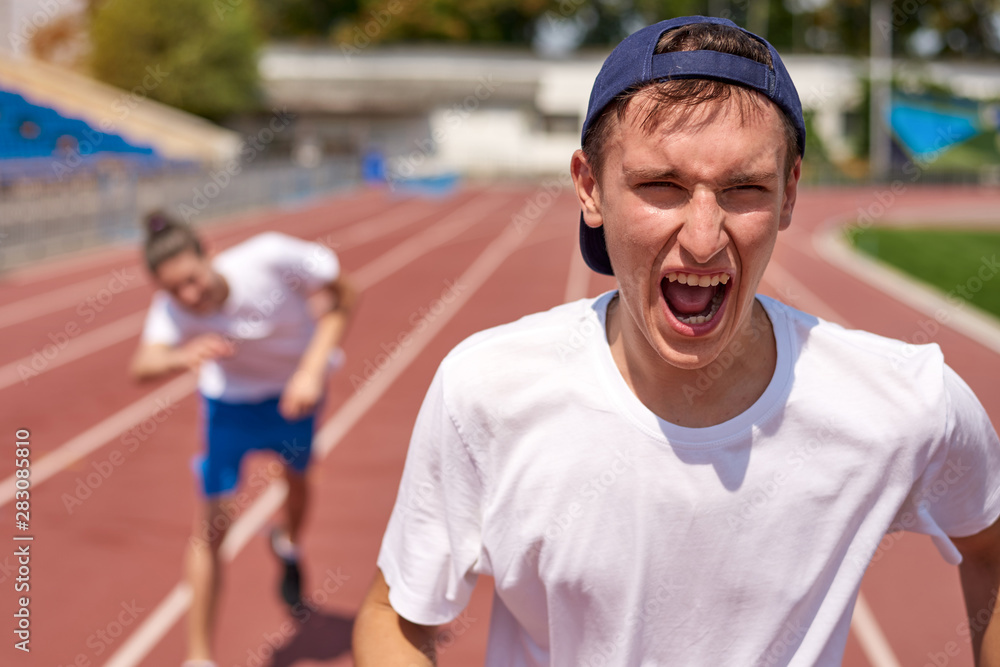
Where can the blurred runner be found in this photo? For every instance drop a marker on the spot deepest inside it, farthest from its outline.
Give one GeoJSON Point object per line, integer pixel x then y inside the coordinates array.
{"type": "Point", "coordinates": [242, 318]}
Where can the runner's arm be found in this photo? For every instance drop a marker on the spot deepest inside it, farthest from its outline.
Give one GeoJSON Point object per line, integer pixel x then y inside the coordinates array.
{"type": "Point", "coordinates": [980, 573]}
{"type": "Point", "coordinates": [154, 360]}
{"type": "Point", "coordinates": [383, 638]}
{"type": "Point", "coordinates": [305, 387]}
{"type": "Point", "coordinates": [331, 326]}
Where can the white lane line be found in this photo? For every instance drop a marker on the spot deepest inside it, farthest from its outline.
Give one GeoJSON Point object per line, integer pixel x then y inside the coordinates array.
{"type": "Point", "coordinates": [791, 291]}
{"type": "Point", "coordinates": [67, 297]}
{"type": "Point", "coordinates": [868, 633]}
{"type": "Point", "coordinates": [471, 280]}
{"type": "Point", "coordinates": [23, 370]}
{"type": "Point", "coordinates": [407, 251]}
{"type": "Point", "coordinates": [137, 645]}
{"type": "Point", "coordinates": [128, 417]}
{"type": "Point", "coordinates": [380, 225]}
{"type": "Point", "coordinates": [172, 607]}
{"type": "Point", "coordinates": [254, 517]}
{"type": "Point", "coordinates": [956, 314]}
{"type": "Point", "coordinates": [98, 435]}
{"type": "Point", "coordinates": [169, 611]}
{"type": "Point", "coordinates": [54, 267]}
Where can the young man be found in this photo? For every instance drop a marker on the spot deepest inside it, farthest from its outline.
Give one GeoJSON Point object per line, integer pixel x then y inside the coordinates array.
{"type": "Point", "coordinates": [243, 320]}
{"type": "Point", "coordinates": [572, 456]}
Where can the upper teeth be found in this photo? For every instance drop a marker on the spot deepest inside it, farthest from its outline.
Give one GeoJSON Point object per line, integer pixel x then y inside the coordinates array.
{"type": "Point", "coordinates": [699, 281]}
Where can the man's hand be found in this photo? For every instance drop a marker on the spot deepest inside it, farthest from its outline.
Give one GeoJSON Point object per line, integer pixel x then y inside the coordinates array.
{"type": "Point", "coordinates": [204, 348]}
{"type": "Point", "coordinates": [301, 394]}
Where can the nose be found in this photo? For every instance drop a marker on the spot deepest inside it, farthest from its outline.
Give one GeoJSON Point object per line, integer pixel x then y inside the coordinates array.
{"type": "Point", "coordinates": [703, 233]}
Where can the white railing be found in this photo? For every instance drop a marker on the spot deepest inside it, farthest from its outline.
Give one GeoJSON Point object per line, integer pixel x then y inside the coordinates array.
{"type": "Point", "coordinates": [39, 219]}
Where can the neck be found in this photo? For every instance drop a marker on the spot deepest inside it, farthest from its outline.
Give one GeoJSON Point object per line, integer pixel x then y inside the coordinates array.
{"type": "Point", "coordinates": [222, 290]}
{"type": "Point", "coordinates": [218, 292]}
{"type": "Point", "coordinates": [701, 397]}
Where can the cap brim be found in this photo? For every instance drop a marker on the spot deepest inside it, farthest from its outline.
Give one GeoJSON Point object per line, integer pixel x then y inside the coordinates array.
{"type": "Point", "coordinates": [594, 249]}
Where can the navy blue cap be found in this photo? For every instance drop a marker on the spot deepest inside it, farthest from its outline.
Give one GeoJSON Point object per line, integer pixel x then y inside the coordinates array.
{"type": "Point", "coordinates": [634, 63]}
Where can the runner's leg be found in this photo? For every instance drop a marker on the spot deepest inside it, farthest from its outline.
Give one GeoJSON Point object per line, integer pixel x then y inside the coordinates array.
{"type": "Point", "coordinates": [204, 576]}
{"type": "Point", "coordinates": [295, 503]}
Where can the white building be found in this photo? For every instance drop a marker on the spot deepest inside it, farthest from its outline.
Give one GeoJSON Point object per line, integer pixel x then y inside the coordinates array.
{"type": "Point", "coordinates": [21, 19]}
{"type": "Point", "coordinates": [511, 111]}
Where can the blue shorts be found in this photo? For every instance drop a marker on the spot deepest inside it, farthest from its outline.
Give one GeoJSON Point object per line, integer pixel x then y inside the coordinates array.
{"type": "Point", "coordinates": [230, 430]}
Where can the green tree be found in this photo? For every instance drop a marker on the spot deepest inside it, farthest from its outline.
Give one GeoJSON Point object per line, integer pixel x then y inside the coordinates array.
{"type": "Point", "coordinates": [960, 28]}
{"type": "Point", "coordinates": [601, 22]}
{"type": "Point", "coordinates": [918, 28]}
{"type": "Point", "coordinates": [922, 28]}
{"type": "Point", "coordinates": [304, 19]}
{"type": "Point", "coordinates": [196, 55]}
{"type": "Point", "coordinates": [496, 21]}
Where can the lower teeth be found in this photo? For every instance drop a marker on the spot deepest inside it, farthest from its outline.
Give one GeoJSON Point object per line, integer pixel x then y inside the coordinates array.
{"type": "Point", "coordinates": [701, 319]}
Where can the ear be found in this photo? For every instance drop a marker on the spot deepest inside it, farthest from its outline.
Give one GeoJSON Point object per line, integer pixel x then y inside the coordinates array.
{"type": "Point", "coordinates": [791, 191]}
{"type": "Point", "coordinates": [587, 189]}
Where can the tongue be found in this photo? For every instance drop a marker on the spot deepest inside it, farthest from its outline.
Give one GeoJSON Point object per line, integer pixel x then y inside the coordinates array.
{"type": "Point", "coordinates": [687, 299]}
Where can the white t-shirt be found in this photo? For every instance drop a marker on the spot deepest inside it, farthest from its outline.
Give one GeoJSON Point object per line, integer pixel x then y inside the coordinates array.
{"type": "Point", "coordinates": [266, 314]}
{"type": "Point", "coordinates": [616, 538]}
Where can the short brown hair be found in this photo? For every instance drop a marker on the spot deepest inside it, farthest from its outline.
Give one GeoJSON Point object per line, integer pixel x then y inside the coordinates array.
{"type": "Point", "coordinates": [666, 95]}
{"type": "Point", "coordinates": [167, 238]}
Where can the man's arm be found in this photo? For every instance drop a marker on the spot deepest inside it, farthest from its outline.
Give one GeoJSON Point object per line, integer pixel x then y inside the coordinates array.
{"type": "Point", "coordinates": [306, 385]}
{"type": "Point", "coordinates": [980, 573]}
{"type": "Point", "coordinates": [383, 638]}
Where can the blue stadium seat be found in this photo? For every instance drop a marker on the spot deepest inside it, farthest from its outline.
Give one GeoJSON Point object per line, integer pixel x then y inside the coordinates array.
{"type": "Point", "coordinates": [32, 131]}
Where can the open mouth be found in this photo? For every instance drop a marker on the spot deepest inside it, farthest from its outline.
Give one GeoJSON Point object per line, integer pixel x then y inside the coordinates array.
{"type": "Point", "coordinates": [694, 299]}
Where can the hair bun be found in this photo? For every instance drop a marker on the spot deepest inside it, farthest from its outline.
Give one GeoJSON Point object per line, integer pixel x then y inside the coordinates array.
{"type": "Point", "coordinates": [157, 222]}
{"type": "Point", "coordinates": [166, 236]}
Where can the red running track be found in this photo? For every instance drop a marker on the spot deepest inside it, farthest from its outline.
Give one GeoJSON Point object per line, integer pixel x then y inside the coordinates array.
{"type": "Point", "coordinates": [112, 498]}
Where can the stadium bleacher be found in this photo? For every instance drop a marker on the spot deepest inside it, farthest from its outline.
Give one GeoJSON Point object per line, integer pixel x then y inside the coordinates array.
{"type": "Point", "coordinates": [34, 138]}
{"type": "Point", "coordinates": [28, 130]}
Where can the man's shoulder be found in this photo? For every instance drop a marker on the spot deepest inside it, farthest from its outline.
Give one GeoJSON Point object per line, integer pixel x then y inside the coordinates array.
{"type": "Point", "coordinates": [858, 353]}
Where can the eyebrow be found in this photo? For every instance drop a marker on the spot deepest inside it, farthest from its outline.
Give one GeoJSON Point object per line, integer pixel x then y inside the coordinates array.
{"type": "Point", "coordinates": [650, 174]}
{"type": "Point", "coordinates": [745, 177]}
{"type": "Point", "coordinates": [737, 178]}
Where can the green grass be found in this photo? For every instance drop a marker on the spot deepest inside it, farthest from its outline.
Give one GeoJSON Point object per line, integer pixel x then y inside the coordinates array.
{"type": "Point", "coordinates": [968, 155]}
{"type": "Point", "coordinates": [958, 261]}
